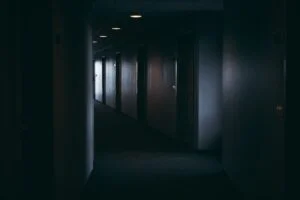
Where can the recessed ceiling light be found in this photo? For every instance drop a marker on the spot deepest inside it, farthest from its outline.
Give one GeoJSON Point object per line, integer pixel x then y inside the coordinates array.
{"type": "Point", "coordinates": [136, 16]}
{"type": "Point", "coordinates": [103, 36]}
{"type": "Point", "coordinates": [116, 28]}
{"type": "Point", "coordinates": [95, 42]}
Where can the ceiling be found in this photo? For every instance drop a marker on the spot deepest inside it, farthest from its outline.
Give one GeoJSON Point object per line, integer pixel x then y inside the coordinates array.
{"type": "Point", "coordinates": [107, 9]}
{"type": "Point", "coordinates": [157, 14]}
{"type": "Point", "coordinates": [146, 6]}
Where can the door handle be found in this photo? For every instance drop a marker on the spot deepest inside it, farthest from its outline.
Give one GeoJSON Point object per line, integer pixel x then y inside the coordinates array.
{"type": "Point", "coordinates": [280, 110]}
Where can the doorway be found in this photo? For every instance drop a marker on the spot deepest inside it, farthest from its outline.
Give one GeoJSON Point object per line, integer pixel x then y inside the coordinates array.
{"type": "Point", "coordinates": [98, 76]}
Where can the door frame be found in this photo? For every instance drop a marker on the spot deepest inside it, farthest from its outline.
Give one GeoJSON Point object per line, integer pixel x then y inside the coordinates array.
{"type": "Point", "coordinates": [103, 61]}
{"type": "Point", "coordinates": [182, 90]}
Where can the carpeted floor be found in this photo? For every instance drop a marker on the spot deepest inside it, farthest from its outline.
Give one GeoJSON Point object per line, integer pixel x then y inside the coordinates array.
{"type": "Point", "coordinates": [133, 162]}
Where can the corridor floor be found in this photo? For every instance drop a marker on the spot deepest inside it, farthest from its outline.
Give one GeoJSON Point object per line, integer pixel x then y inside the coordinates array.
{"type": "Point", "coordinates": [133, 162]}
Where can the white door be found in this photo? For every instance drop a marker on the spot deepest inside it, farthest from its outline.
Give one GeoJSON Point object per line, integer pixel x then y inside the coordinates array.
{"type": "Point", "coordinates": [98, 81]}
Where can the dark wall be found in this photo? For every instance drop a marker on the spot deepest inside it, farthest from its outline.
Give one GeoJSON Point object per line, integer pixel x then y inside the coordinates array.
{"type": "Point", "coordinates": [161, 97]}
{"type": "Point", "coordinates": [36, 61]}
{"type": "Point", "coordinates": [253, 94]}
{"type": "Point", "coordinates": [129, 80]}
{"type": "Point", "coordinates": [10, 102]}
{"type": "Point", "coordinates": [35, 102]}
{"type": "Point", "coordinates": [72, 99]}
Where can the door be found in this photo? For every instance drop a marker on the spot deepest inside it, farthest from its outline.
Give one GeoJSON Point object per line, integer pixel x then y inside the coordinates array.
{"type": "Point", "coordinates": [272, 157]}
{"type": "Point", "coordinates": [161, 107]}
{"type": "Point", "coordinates": [254, 97]}
{"type": "Point", "coordinates": [98, 80]}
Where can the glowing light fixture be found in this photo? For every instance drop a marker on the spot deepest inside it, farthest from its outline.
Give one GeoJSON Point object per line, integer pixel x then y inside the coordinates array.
{"type": "Point", "coordinates": [95, 42]}
{"type": "Point", "coordinates": [103, 36]}
{"type": "Point", "coordinates": [136, 16]}
{"type": "Point", "coordinates": [116, 28]}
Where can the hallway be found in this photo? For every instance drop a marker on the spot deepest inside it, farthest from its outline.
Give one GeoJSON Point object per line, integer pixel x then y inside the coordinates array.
{"type": "Point", "coordinates": [150, 166]}
{"type": "Point", "coordinates": [211, 74]}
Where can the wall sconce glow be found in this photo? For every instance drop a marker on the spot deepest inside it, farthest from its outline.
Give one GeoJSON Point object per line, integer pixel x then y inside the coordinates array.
{"type": "Point", "coordinates": [95, 42]}
{"type": "Point", "coordinates": [103, 36]}
{"type": "Point", "coordinates": [136, 16]}
{"type": "Point", "coordinates": [116, 28]}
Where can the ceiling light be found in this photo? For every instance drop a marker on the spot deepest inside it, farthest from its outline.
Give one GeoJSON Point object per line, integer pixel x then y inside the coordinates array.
{"type": "Point", "coordinates": [136, 16]}
{"type": "Point", "coordinates": [95, 42]}
{"type": "Point", "coordinates": [103, 36]}
{"type": "Point", "coordinates": [116, 28]}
